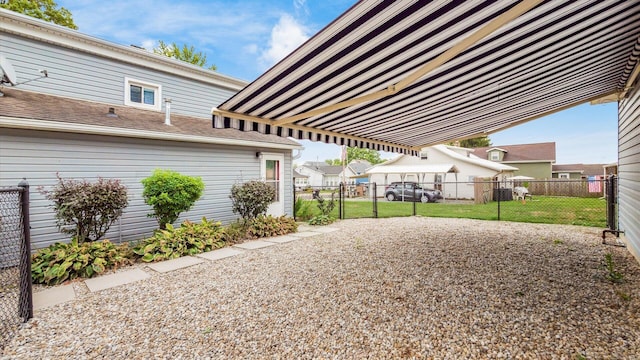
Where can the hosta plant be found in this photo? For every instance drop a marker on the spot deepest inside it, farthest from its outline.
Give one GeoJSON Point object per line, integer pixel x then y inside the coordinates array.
{"type": "Point", "coordinates": [266, 226]}
{"type": "Point", "coordinates": [188, 239]}
{"type": "Point", "coordinates": [62, 261]}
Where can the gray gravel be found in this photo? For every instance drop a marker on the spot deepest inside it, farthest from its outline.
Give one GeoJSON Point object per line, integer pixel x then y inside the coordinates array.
{"type": "Point", "coordinates": [378, 288]}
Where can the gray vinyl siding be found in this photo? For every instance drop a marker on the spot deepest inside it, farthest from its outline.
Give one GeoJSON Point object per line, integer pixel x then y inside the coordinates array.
{"type": "Point", "coordinates": [39, 155]}
{"type": "Point", "coordinates": [629, 169]}
{"type": "Point", "coordinates": [86, 76]}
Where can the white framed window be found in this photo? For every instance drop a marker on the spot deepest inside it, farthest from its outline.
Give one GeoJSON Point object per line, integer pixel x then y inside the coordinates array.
{"type": "Point", "coordinates": [494, 156]}
{"type": "Point", "coordinates": [424, 155]}
{"type": "Point", "coordinates": [142, 94]}
{"type": "Point", "coordinates": [563, 175]}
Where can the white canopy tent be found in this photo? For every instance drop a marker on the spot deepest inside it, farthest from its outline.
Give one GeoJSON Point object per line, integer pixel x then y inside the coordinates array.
{"type": "Point", "coordinates": [420, 171]}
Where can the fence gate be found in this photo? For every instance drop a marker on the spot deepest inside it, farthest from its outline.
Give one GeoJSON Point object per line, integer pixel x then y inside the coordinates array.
{"type": "Point", "coordinates": [16, 303]}
{"type": "Point", "coordinates": [611, 193]}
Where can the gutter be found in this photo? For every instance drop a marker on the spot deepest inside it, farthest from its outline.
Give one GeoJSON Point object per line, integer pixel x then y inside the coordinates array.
{"type": "Point", "coordinates": [57, 126]}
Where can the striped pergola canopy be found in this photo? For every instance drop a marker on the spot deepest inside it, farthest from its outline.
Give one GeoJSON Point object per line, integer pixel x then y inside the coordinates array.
{"type": "Point", "coordinates": [401, 75]}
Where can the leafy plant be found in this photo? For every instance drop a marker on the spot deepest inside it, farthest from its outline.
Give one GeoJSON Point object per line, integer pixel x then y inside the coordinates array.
{"type": "Point", "coordinates": [235, 232]}
{"type": "Point", "coordinates": [188, 239]}
{"type": "Point", "coordinates": [321, 220]}
{"type": "Point", "coordinates": [612, 274]}
{"type": "Point", "coordinates": [170, 193]}
{"type": "Point", "coordinates": [62, 261]}
{"type": "Point", "coordinates": [303, 209]}
{"type": "Point", "coordinates": [86, 210]}
{"type": "Point", "coordinates": [251, 199]}
{"type": "Point", "coordinates": [266, 226]}
{"type": "Point", "coordinates": [326, 206]}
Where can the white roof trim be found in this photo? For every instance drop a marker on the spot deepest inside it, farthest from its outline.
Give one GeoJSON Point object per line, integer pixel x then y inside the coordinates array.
{"type": "Point", "coordinates": [496, 148]}
{"type": "Point", "coordinates": [474, 160]}
{"type": "Point", "coordinates": [30, 27]}
{"type": "Point", "coordinates": [413, 169]}
{"type": "Point", "coordinates": [45, 125]}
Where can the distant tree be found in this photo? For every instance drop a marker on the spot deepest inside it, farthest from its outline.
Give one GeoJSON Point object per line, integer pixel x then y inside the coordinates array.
{"type": "Point", "coordinates": [474, 143]}
{"type": "Point", "coordinates": [334, 162]}
{"type": "Point", "coordinates": [185, 53]}
{"type": "Point", "coordinates": [46, 10]}
{"type": "Point", "coordinates": [355, 153]}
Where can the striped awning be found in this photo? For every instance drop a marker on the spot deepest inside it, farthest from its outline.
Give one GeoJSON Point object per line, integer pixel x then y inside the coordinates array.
{"type": "Point", "coordinates": [401, 75]}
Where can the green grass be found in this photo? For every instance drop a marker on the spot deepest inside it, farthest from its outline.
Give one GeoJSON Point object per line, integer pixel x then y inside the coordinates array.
{"type": "Point", "coordinates": [542, 209]}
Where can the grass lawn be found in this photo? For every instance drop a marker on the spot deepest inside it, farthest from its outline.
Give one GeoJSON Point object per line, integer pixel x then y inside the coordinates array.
{"type": "Point", "coordinates": [542, 209]}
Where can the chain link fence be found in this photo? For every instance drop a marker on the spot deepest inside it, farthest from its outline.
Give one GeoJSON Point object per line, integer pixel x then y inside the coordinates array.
{"type": "Point", "coordinates": [16, 304]}
{"type": "Point", "coordinates": [559, 201]}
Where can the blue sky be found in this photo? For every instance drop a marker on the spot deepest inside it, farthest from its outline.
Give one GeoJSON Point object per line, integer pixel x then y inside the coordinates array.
{"type": "Point", "coordinates": [245, 38]}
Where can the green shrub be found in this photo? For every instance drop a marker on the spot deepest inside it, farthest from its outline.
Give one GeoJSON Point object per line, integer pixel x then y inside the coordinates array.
{"type": "Point", "coordinates": [86, 210]}
{"type": "Point", "coordinates": [170, 193]}
{"type": "Point", "coordinates": [321, 220]}
{"type": "Point", "coordinates": [266, 226]}
{"type": "Point", "coordinates": [303, 209]}
{"type": "Point", "coordinates": [188, 239]}
{"type": "Point", "coordinates": [61, 261]}
{"type": "Point", "coordinates": [251, 198]}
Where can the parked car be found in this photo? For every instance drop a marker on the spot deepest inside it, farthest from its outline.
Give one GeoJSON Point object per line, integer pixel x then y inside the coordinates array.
{"type": "Point", "coordinates": [412, 191]}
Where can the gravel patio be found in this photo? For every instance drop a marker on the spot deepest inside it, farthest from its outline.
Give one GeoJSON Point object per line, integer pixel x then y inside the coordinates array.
{"type": "Point", "coordinates": [378, 288]}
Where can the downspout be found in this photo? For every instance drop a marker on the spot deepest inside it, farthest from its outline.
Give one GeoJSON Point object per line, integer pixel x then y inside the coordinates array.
{"type": "Point", "coordinates": [167, 112]}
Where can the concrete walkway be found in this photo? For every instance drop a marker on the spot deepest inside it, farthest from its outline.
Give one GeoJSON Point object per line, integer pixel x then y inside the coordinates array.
{"type": "Point", "coordinates": [64, 293]}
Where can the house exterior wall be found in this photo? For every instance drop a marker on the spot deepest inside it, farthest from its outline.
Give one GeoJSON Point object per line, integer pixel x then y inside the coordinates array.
{"type": "Point", "coordinates": [572, 175]}
{"type": "Point", "coordinates": [80, 75]}
{"type": "Point", "coordinates": [38, 155]}
{"type": "Point", "coordinates": [629, 170]}
{"type": "Point", "coordinates": [538, 170]}
{"type": "Point", "coordinates": [315, 177]}
{"type": "Point", "coordinates": [455, 185]}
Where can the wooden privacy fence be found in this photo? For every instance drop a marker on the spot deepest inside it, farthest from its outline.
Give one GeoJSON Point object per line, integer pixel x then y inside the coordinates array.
{"type": "Point", "coordinates": [573, 188]}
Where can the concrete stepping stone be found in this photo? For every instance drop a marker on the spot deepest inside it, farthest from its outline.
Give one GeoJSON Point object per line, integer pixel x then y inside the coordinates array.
{"type": "Point", "coordinates": [282, 239]}
{"type": "Point", "coordinates": [304, 234]}
{"type": "Point", "coordinates": [255, 244]}
{"type": "Point", "coordinates": [220, 254]}
{"type": "Point", "coordinates": [54, 296]}
{"type": "Point", "coordinates": [174, 264]}
{"type": "Point", "coordinates": [323, 229]}
{"type": "Point", "coordinates": [117, 279]}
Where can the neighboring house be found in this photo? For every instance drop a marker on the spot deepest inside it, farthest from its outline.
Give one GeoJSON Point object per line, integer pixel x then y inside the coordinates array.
{"type": "Point", "coordinates": [577, 171]}
{"type": "Point", "coordinates": [534, 160]}
{"type": "Point", "coordinates": [301, 181]}
{"type": "Point", "coordinates": [101, 112]}
{"type": "Point", "coordinates": [354, 173]}
{"type": "Point", "coordinates": [456, 179]}
{"type": "Point", "coordinates": [321, 174]}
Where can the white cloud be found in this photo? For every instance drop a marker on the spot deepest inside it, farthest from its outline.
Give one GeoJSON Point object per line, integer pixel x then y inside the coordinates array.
{"type": "Point", "coordinates": [301, 7]}
{"type": "Point", "coordinates": [149, 44]}
{"type": "Point", "coordinates": [286, 36]}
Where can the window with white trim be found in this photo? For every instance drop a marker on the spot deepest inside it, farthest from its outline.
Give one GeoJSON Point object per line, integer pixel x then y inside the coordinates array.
{"type": "Point", "coordinates": [142, 94]}
{"type": "Point", "coordinates": [494, 156]}
{"type": "Point", "coordinates": [563, 175]}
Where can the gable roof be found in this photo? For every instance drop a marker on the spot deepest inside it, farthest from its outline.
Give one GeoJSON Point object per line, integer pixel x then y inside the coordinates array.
{"type": "Point", "coordinates": [456, 156]}
{"type": "Point", "coordinates": [543, 152]}
{"type": "Point", "coordinates": [400, 75]}
{"type": "Point", "coordinates": [359, 166]}
{"type": "Point", "coordinates": [583, 169]}
{"type": "Point", "coordinates": [296, 174]}
{"type": "Point", "coordinates": [36, 111]}
{"type": "Point", "coordinates": [332, 170]}
{"type": "Point", "coordinates": [323, 167]}
{"type": "Point", "coordinates": [473, 160]}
